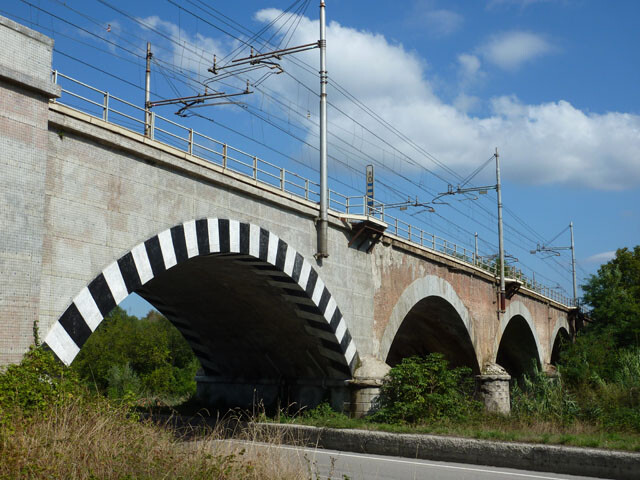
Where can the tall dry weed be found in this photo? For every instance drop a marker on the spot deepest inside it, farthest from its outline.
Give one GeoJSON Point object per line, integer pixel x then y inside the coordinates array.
{"type": "Point", "coordinates": [81, 440]}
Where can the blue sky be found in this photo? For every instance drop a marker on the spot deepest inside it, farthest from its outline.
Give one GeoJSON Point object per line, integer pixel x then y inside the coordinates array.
{"type": "Point", "coordinates": [552, 83]}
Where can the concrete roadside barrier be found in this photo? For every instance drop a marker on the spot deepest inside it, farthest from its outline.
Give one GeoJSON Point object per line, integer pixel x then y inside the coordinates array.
{"type": "Point", "coordinates": [526, 456]}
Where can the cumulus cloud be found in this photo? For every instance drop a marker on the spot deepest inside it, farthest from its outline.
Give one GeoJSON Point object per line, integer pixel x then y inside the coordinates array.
{"type": "Point", "coordinates": [443, 22]}
{"type": "Point", "coordinates": [191, 53]}
{"type": "Point", "coordinates": [469, 69]}
{"type": "Point", "coordinates": [548, 143]}
{"type": "Point", "coordinates": [602, 257]}
{"type": "Point", "coordinates": [518, 3]}
{"type": "Point", "coordinates": [510, 50]}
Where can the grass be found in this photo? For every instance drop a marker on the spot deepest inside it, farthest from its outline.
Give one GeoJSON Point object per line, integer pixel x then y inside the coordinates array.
{"type": "Point", "coordinates": [90, 440]}
{"type": "Point", "coordinates": [487, 427]}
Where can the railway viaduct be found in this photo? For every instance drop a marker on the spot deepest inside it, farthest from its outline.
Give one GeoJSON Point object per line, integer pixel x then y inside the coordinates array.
{"type": "Point", "coordinates": [92, 212]}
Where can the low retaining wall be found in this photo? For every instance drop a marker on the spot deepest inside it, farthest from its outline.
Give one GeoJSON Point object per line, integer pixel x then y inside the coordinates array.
{"type": "Point", "coordinates": [526, 456]}
{"type": "Point", "coordinates": [589, 462]}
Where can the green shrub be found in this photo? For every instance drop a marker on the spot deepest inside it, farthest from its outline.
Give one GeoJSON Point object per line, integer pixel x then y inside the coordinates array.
{"type": "Point", "coordinates": [424, 389]}
{"type": "Point", "coordinates": [35, 384]}
{"type": "Point", "coordinates": [542, 398]}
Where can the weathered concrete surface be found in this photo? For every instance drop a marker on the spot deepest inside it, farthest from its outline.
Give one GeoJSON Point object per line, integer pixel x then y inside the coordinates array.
{"type": "Point", "coordinates": [25, 89]}
{"type": "Point", "coordinates": [543, 458]}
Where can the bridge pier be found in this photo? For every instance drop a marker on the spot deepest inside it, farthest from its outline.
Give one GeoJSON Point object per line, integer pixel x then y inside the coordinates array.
{"type": "Point", "coordinates": [492, 389]}
{"type": "Point", "coordinates": [365, 386]}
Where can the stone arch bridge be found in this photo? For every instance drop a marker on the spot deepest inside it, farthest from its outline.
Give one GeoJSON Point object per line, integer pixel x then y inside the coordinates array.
{"type": "Point", "coordinates": [93, 211]}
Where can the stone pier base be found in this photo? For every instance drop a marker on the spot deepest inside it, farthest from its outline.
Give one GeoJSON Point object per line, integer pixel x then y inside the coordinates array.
{"type": "Point", "coordinates": [365, 386]}
{"type": "Point", "coordinates": [492, 389]}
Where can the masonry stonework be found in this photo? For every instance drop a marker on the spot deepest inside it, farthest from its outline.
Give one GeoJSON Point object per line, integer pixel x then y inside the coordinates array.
{"type": "Point", "coordinates": [25, 90]}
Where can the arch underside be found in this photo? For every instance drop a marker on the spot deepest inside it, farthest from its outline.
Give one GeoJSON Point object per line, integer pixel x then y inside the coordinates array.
{"type": "Point", "coordinates": [249, 305]}
{"type": "Point", "coordinates": [518, 351]}
{"type": "Point", "coordinates": [433, 325]}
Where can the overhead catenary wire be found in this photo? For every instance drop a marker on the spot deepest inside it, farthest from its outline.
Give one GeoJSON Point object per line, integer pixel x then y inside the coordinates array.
{"type": "Point", "coordinates": [420, 186]}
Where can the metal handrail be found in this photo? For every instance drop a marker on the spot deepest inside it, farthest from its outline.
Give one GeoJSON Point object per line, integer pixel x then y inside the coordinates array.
{"type": "Point", "coordinates": [273, 175]}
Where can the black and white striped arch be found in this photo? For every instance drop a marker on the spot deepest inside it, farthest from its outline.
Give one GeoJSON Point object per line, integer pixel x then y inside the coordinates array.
{"type": "Point", "coordinates": [190, 239]}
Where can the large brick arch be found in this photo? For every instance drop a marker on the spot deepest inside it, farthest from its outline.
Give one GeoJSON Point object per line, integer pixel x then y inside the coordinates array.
{"type": "Point", "coordinates": [191, 239]}
{"type": "Point", "coordinates": [518, 315]}
{"type": "Point", "coordinates": [560, 330]}
{"type": "Point", "coordinates": [423, 288]}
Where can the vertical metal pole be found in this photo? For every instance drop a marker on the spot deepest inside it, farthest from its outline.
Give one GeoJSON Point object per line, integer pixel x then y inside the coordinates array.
{"type": "Point", "coordinates": [475, 252]}
{"type": "Point", "coordinates": [324, 219]}
{"type": "Point", "coordinates": [147, 93]}
{"type": "Point", "coordinates": [224, 155]}
{"type": "Point", "coordinates": [500, 239]}
{"type": "Point", "coordinates": [573, 267]}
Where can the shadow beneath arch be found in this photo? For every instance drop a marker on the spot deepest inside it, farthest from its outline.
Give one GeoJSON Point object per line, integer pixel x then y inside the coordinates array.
{"type": "Point", "coordinates": [433, 325]}
{"type": "Point", "coordinates": [518, 353]}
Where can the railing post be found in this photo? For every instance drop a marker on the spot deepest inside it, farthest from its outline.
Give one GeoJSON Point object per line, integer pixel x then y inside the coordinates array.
{"type": "Point", "coordinates": [55, 77]}
{"type": "Point", "coordinates": [191, 141]}
{"type": "Point", "coordinates": [152, 129]}
{"type": "Point", "coordinates": [421, 238]}
{"type": "Point", "coordinates": [282, 185]}
{"type": "Point", "coordinates": [105, 107]}
{"type": "Point", "coordinates": [224, 155]}
{"type": "Point", "coordinates": [444, 242]}
{"type": "Point", "coordinates": [433, 241]}
{"type": "Point", "coordinates": [306, 189]}
{"type": "Point", "coordinates": [396, 226]}
{"type": "Point", "coordinates": [409, 231]}
{"type": "Point", "coordinates": [346, 205]}
{"type": "Point", "coordinates": [255, 168]}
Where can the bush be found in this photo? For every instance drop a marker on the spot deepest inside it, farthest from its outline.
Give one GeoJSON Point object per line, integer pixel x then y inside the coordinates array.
{"type": "Point", "coordinates": [35, 384]}
{"type": "Point", "coordinates": [539, 397]}
{"type": "Point", "coordinates": [425, 389]}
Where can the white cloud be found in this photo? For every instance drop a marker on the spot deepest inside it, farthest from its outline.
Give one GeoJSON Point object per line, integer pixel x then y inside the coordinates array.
{"type": "Point", "coordinates": [469, 70]}
{"type": "Point", "coordinates": [549, 143]}
{"type": "Point", "coordinates": [602, 257]}
{"type": "Point", "coordinates": [466, 103]}
{"type": "Point", "coordinates": [519, 3]}
{"type": "Point", "coordinates": [191, 53]}
{"type": "Point", "coordinates": [470, 64]}
{"type": "Point", "coordinates": [443, 22]}
{"type": "Point", "coordinates": [511, 49]}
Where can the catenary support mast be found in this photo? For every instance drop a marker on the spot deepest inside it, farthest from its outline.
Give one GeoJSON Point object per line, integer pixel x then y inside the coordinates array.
{"type": "Point", "coordinates": [500, 237]}
{"type": "Point", "coordinates": [324, 193]}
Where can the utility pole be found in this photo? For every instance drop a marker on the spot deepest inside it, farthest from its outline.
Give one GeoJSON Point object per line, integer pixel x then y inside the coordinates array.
{"type": "Point", "coordinates": [573, 267]}
{"type": "Point", "coordinates": [323, 221]}
{"type": "Point", "coordinates": [500, 238]}
{"type": "Point", "coordinates": [553, 250]}
{"type": "Point", "coordinates": [475, 258]}
{"type": "Point", "coordinates": [483, 190]}
{"type": "Point", "coordinates": [147, 94]}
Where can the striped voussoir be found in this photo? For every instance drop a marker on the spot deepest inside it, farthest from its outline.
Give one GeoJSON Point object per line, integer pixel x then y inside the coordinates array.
{"type": "Point", "coordinates": [314, 303]}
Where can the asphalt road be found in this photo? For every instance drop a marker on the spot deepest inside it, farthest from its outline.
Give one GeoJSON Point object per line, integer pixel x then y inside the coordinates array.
{"type": "Point", "coordinates": [336, 465]}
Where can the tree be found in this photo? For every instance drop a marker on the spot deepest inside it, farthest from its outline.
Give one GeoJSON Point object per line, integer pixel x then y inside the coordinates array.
{"type": "Point", "coordinates": [614, 295]}
{"type": "Point", "coordinates": [148, 356]}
